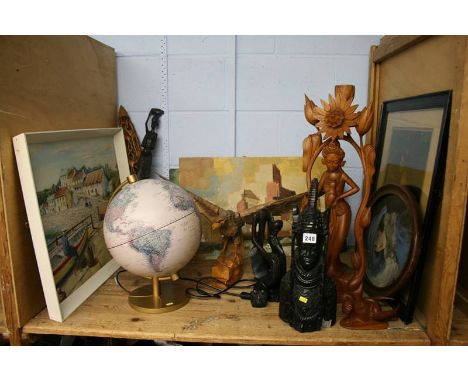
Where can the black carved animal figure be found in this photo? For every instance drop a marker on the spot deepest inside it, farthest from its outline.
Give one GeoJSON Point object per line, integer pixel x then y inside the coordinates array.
{"type": "Point", "coordinates": [307, 295]}
{"type": "Point", "coordinates": [269, 266]}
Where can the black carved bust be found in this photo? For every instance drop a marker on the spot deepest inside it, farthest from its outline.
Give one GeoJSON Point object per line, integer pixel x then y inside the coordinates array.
{"type": "Point", "coordinates": [307, 295]}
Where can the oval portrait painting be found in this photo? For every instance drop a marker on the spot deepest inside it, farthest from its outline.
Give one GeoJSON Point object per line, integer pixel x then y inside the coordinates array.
{"type": "Point", "coordinates": [391, 240]}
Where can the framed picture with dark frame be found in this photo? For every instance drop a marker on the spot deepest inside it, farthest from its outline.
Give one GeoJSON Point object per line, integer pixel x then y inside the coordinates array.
{"type": "Point", "coordinates": [411, 151]}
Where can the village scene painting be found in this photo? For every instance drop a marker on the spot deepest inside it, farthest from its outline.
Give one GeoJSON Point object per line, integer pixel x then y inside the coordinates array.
{"type": "Point", "coordinates": [74, 181]}
{"type": "Point", "coordinates": [238, 183]}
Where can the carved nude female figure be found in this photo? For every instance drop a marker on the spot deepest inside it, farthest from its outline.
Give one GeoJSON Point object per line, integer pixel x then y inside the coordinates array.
{"type": "Point", "coordinates": [332, 183]}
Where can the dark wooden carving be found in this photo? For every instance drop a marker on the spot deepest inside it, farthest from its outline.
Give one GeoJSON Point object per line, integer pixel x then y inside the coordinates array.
{"type": "Point", "coordinates": [307, 295]}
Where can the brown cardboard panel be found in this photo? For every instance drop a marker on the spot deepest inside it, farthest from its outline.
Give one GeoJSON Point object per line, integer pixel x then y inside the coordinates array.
{"type": "Point", "coordinates": [47, 83]}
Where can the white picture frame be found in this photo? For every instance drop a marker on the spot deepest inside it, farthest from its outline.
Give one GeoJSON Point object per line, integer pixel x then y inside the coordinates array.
{"type": "Point", "coordinates": [76, 158]}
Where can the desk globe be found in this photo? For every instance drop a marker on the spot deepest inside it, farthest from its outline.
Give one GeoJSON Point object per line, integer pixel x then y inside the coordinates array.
{"type": "Point", "coordinates": [152, 229]}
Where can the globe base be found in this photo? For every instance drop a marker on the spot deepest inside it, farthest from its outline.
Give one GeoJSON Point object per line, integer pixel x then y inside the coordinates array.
{"type": "Point", "coordinates": [158, 298]}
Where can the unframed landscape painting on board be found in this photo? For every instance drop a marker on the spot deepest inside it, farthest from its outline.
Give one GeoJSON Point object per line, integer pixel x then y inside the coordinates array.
{"type": "Point", "coordinates": [237, 183]}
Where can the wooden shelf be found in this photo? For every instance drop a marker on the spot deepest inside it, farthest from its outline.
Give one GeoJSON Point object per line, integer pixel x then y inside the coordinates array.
{"type": "Point", "coordinates": [459, 334]}
{"type": "Point", "coordinates": [227, 320]}
{"type": "Point", "coordinates": [3, 327]}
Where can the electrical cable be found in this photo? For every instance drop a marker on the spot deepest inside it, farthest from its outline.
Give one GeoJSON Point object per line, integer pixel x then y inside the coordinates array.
{"type": "Point", "coordinates": [200, 292]}
{"type": "Point", "coordinates": [201, 285]}
{"type": "Point", "coordinates": [117, 281]}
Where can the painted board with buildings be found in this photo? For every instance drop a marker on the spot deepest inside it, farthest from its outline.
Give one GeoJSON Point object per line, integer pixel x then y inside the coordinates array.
{"type": "Point", "coordinates": [67, 178]}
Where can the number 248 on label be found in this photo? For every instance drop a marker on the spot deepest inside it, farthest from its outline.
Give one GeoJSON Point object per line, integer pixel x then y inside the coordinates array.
{"type": "Point", "coordinates": [309, 238]}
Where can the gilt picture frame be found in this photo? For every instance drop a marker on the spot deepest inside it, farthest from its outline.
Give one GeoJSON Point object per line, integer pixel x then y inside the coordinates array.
{"type": "Point", "coordinates": [67, 178]}
{"type": "Point", "coordinates": [411, 151]}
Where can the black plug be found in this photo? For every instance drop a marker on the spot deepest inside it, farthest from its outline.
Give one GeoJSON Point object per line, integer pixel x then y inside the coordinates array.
{"type": "Point", "coordinates": [258, 297]}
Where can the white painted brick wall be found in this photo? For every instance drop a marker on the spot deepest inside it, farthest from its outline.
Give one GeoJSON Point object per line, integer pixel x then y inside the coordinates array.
{"type": "Point", "coordinates": [201, 96]}
{"type": "Point", "coordinates": [199, 45]}
{"type": "Point", "coordinates": [278, 82]}
{"type": "Point", "coordinates": [139, 82]}
{"type": "Point", "coordinates": [198, 83]}
{"type": "Point", "coordinates": [239, 95]}
{"type": "Point", "coordinates": [256, 44]}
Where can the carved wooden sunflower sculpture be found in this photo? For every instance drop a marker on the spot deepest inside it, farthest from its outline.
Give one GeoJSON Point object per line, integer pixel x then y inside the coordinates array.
{"type": "Point", "coordinates": [337, 116]}
{"type": "Point", "coordinates": [334, 122]}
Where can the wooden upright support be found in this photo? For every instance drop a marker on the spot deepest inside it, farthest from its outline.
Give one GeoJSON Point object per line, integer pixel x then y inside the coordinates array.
{"type": "Point", "coordinates": [405, 66]}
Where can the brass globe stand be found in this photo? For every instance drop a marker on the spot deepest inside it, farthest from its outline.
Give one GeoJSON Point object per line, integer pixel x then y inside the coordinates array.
{"type": "Point", "coordinates": [161, 296]}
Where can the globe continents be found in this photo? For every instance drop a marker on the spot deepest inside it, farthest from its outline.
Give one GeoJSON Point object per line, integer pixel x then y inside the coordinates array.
{"type": "Point", "coordinates": [151, 228]}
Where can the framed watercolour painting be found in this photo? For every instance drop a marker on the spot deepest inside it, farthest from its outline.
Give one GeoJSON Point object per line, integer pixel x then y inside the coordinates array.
{"type": "Point", "coordinates": [410, 148]}
{"type": "Point", "coordinates": [67, 178]}
{"type": "Point", "coordinates": [411, 152]}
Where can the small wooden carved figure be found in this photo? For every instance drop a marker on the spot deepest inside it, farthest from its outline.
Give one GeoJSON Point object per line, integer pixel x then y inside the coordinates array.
{"type": "Point", "coordinates": [149, 143]}
{"type": "Point", "coordinates": [307, 294]}
{"type": "Point", "coordinates": [228, 266]}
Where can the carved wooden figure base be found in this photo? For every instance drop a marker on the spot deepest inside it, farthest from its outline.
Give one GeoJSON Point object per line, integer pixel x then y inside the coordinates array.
{"type": "Point", "coordinates": [364, 313]}
{"type": "Point", "coordinates": [358, 323]}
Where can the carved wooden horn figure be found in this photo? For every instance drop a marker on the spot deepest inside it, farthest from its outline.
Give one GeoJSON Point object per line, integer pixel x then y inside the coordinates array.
{"type": "Point", "coordinates": [334, 121]}
{"type": "Point", "coordinates": [132, 143]}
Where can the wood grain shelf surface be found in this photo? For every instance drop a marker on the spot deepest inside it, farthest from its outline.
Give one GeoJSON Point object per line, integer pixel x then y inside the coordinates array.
{"type": "Point", "coordinates": [3, 327]}
{"type": "Point", "coordinates": [459, 334]}
{"type": "Point", "coordinates": [228, 320]}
